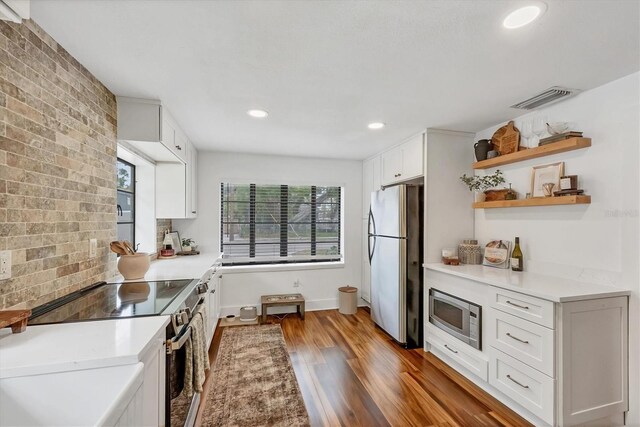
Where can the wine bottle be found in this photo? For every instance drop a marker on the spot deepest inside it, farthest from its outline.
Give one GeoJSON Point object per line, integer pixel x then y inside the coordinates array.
{"type": "Point", "coordinates": [517, 262]}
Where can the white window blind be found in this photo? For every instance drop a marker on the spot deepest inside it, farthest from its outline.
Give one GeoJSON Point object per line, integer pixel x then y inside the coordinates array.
{"type": "Point", "coordinates": [272, 224]}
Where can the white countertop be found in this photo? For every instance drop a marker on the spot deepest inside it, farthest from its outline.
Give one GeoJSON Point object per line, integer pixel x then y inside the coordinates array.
{"type": "Point", "coordinates": [44, 349]}
{"type": "Point", "coordinates": [180, 267]}
{"type": "Point", "coordinates": [550, 288]}
{"type": "Point", "coordinates": [80, 398]}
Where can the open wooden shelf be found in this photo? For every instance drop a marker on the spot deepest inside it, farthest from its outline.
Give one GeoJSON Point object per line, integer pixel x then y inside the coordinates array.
{"type": "Point", "coordinates": [536, 201]}
{"type": "Point", "coordinates": [533, 153]}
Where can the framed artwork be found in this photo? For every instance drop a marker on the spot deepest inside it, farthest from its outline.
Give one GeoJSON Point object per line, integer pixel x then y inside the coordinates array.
{"type": "Point", "coordinates": [546, 174]}
{"type": "Point", "coordinates": [176, 243]}
{"type": "Point", "coordinates": [496, 253]}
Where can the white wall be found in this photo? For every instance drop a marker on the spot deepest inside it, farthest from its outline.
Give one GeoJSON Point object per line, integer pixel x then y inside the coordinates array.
{"type": "Point", "coordinates": [318, 285]}
{"type": "Point", "coordinates": [597, 242]}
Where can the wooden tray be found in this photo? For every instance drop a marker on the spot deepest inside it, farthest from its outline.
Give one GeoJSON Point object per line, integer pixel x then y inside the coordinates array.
{"type": "Point", "coordinates": [17, 319]}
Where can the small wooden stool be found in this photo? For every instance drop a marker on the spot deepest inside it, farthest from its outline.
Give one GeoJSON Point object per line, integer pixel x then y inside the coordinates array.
{"type": "Point", "coordinates": [282, 300]}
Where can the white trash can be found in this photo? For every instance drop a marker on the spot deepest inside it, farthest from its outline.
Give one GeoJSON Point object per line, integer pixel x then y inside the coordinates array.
{"type": "Point", "coordinates": [347, 300]}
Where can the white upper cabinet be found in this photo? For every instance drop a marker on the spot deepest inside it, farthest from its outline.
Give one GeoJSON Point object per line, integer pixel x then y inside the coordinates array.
{"type": "Point", "coordinates": [371, 181]}
{"type": "Point", "coordinates": [176, 186]}
{"type": "Point", "coordinates": [147, 126]}
{"type": "Point", "coordinates": [192, 181]}
{"type": "Point", "coordinates": [403, 162]}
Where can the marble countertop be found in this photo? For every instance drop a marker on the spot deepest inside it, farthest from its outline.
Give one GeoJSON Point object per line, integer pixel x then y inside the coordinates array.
{"type": "Point", "coordinates": [88, 397]}
{"type": "Point", "coordinates": [556, 289]}
{"type": "Point", "coordinates": [181, 267]}
{"type": "Point", "coordinates": [45, 349]}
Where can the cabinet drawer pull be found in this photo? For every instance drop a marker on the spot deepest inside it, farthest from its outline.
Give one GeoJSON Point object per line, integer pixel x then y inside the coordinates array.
{"type": "Point", "coordinates": [517, 339]}
{"type": "Point", "coordinates": [450, 349]}
{"type": "Point", "coordinates": [193, 212]}
{"type": "Point", "coordinates": [178, 147]}
{"type": "Point", "coordinates": [519, 383]}
{"type": "Point", "coordinates": [517, 305]}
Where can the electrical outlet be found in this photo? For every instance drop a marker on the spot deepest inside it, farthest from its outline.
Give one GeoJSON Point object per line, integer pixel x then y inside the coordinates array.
{"type": "Point", "coordinates": [296, 284]}
{"type": "Point", "coordinates": [5, 265]}
{"type": "Point", "coordinates": [93, 247]}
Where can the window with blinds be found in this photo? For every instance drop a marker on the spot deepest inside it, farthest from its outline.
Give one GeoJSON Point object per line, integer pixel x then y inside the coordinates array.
{"type": "Point", "coordinates": [273, 224]}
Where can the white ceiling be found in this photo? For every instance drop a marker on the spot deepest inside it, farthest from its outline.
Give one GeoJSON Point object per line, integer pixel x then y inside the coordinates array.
{"type": "Point", "coordinates": [324, 69]}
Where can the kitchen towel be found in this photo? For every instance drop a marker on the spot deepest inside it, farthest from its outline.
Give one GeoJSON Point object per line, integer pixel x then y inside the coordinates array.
{"type": "Point", "coordinates": [197, 357]}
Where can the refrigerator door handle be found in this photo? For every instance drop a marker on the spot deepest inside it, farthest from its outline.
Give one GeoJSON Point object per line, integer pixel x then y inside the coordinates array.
{"type": "Point", "coordinates": [371, 248]}
{"type": "Point", "coordinates": [372, 223]}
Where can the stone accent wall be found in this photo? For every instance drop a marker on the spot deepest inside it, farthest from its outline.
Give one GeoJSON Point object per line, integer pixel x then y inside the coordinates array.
{"type": "Point", "coordinates": [162, 225]}
{"type": "Point", "coordinates": [57, 168]}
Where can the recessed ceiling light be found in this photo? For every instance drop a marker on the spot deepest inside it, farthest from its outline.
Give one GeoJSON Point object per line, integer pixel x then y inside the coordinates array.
{"type": "Point", "coordinates": [260, 114]}
{"type": "Point", "coordinates": [375, 125]}
{"type": "Point", "coordinates": [523, 16]}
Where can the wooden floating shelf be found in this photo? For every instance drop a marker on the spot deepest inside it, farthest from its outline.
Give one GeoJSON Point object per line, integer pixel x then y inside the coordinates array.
{"type": "Point", "coordinates": [533, 153]}
{"type": "Point", "coordinates": [536, 201]}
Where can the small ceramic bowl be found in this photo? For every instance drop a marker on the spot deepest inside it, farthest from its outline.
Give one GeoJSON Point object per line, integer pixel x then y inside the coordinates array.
{"type": "Point", "coordinates": [491, 154]}
{"type": "Point", "coordinates": [556, 128]}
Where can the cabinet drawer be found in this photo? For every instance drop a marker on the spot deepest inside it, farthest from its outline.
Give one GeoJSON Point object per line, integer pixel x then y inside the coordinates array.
{"type": "Point", "coordinates": [526, 341]}
{"type": "Point", "coordinates": [529, 308]}
{"type": "Point", "coordinates": [526, 386]}
{"type": "Point", "coordinates": [459, 352]}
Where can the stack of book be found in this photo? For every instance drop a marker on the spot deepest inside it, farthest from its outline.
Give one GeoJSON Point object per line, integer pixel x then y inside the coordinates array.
{"type": "Point", "coordinates": [559, 137]}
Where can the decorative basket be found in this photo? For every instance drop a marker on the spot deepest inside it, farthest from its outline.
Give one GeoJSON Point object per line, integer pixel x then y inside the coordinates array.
{"type": "Point", "coordinates": [493, 195]}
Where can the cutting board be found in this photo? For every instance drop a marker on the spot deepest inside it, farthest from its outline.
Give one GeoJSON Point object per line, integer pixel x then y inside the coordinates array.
{"type": "Point", "coordinates": [17, 319]}
{"type": "Point", "coordinates": [506, 139]}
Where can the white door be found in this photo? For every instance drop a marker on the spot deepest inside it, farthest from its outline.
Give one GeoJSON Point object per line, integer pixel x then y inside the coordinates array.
{"type": "Point", "coordinates": [385, 284]}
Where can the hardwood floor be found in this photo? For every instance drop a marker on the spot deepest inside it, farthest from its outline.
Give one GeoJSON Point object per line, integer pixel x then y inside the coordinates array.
{"type": "Point", "coordinates": [352, 374]}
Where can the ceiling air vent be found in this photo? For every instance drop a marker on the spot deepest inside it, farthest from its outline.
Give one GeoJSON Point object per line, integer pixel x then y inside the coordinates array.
{"type": "Point", "coordinates": [553, 94]}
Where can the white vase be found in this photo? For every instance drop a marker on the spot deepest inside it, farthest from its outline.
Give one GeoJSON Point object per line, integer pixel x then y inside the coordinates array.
{"type": "Point", "coordinates": [479, 196]}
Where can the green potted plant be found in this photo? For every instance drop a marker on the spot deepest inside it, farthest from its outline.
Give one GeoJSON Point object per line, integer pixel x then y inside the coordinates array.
{"type": "Point", "coordinates": [480, 183]}
{"type": "Point", "coordinates": [188, 244]}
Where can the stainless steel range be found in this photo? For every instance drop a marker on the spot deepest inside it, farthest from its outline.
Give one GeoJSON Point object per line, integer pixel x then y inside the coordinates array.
{"type": "Point", "coordinates": [179, 299]}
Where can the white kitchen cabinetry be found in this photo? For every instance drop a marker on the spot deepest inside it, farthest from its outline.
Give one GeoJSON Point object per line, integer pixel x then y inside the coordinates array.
{"type": "Point", "coordinates": [148, 127]}
{"type": "Point", "coordinates": [365, 290]}
{"type": "Point", "coordinates": [403, 162]}
{"type": "Point", "coordinates": [371, 181]}
{"type": "Point", "coordinates": [153, 385]}
{"type": "Point", "coordinates": [176, 187]}
{"type": "Point", "coordinates": [192, 181]}
{"type": "Point", "coordinates": [213, 305]}
{"type": "Point", "coordinates": [558, 363]}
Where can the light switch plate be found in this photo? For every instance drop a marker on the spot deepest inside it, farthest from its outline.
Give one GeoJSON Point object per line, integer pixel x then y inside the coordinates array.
{"type": "Point", "coordinates": [5, 265]}
{"type": "Point", "coordinates": [93, 247]}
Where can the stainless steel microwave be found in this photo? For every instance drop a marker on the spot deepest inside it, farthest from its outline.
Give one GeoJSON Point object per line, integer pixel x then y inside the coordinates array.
{"type": "Point", "coordinates": [457, 317]}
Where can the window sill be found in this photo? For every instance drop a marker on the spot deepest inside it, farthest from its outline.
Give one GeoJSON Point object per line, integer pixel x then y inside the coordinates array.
{"type": "Point", "coordinates": [281, 267]}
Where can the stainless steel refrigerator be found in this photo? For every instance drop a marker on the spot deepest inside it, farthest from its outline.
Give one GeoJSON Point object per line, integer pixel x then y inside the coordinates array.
{"type": "Point", "coordinates": [395, 255]}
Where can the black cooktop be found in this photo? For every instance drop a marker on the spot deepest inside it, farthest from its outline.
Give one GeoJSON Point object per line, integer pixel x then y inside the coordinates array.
{"type": "Point", "coordinates": [110, 301]}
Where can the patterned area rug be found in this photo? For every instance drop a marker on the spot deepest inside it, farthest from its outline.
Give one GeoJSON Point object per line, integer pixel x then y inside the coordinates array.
{"type": "Point", "coordinates": [253, 382]}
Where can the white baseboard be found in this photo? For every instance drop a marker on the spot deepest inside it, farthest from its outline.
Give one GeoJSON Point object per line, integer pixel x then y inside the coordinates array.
{"type": "Point", "coordinates": [310, 305]}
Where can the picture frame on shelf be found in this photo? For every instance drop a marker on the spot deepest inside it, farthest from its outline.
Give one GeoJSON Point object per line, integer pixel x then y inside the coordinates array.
{"type": "Point", "coordinates": [176, 243]}
{"type": "Point", "coordinates": [545, 174]}
{"type": "Point", "coordinates": [496, 254]}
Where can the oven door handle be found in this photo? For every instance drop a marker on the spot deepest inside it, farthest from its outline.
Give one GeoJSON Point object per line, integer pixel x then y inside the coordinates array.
{"type": "Point", "coordinates": [176, 343]}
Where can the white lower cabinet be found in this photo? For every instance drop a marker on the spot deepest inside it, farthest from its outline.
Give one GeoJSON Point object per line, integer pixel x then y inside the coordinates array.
{"type": "Point", "coordinates": [133, 414]}
{"type": "Point", "coordinates": [525, 385]}
{"type": "Point", "coordinates": [213, 306]}
{"type": "Point", "coordinates": [526, 341]}
{"type": "Point", "coordinates": [469, 358]}
{"type": "Point", "coordinates": [153, 385]}
{"type": "Point", "coordinates": [561, 364]}
{"type": "Point", "coordinates": [365, 289]}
